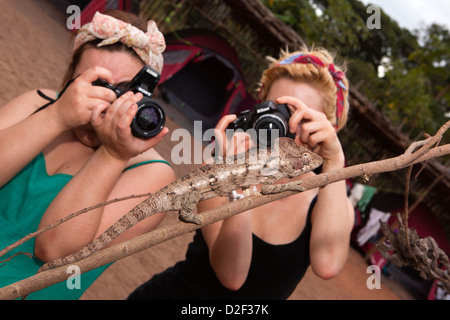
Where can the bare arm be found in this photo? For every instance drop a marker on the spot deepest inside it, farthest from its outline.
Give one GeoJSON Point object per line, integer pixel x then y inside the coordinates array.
{"type": "Point", "coordinates": [24, 134]}
{"type": "Point", "coordinates": [333, 216]}
{"type": "Point", "coordinates": [332, 222]}
{"type": "Point", "coordinates": [230, 245]}
{"type": "Point", "coordinates": [100, 179]}
{"type": "Point", "coordinates": [230, 240]}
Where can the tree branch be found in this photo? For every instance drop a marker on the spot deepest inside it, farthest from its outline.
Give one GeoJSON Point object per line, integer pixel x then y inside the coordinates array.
{"type": "Point", "coordinates": [164, 233]}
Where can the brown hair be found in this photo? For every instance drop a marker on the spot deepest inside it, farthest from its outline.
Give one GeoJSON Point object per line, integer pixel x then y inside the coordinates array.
{"type": "Point", "coordinates": [320, 78]}
{"type": "Point", "coordinates": [116, 47]}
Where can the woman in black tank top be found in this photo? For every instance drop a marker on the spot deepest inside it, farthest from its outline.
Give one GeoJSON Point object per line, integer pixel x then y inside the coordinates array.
{"type": "Point", "coordinates": [274, 273]}
{"type": "Point", "coordinates": [263, 253]}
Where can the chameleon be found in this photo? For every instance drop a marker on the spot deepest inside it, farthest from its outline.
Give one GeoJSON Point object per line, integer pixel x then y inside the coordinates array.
{"type": "Point", "coordinates": [285, 160]}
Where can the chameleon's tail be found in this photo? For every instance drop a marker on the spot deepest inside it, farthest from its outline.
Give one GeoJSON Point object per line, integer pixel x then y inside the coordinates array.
{"type": "Point", "coordinates": [145, 209]}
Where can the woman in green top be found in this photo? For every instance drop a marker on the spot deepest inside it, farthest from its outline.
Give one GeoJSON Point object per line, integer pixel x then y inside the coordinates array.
{"type": "Point", "coordinates": [74, 153]}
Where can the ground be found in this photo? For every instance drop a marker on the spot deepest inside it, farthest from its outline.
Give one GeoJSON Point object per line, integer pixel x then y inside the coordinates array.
{"type": "Point", "coordinates": [35, 48]}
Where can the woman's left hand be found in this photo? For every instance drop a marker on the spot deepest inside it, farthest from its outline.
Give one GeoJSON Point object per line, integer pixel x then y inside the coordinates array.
{"type": "Point", "coordinates": [113, 128]}
{"type": "Point", "coordinates": [313, 130]}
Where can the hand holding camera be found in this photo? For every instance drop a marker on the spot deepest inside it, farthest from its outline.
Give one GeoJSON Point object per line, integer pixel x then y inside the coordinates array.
{"type": "Point", "coordinates": [76, 101]}
{"type": "Point", "coordinates": [150, 117]}
{"type": "Point", "coordinates": [317, 132]}
{"type": "Point", "coordinates": [132, 117]}
{"type": "Point", "coordinates": [268, 120]}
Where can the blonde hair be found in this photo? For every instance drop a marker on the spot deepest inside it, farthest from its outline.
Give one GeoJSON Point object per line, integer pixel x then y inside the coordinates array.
{"type": "Point", "coordinates": [316, 76]}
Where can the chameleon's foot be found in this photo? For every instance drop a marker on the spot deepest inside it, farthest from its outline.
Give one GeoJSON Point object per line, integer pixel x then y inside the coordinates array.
{"type": "Point", "coordinates": [186, 213]}
{"type": "Point", "coordinates": [190, 218]}
{"type": "Point", "coordinates": [251, 191]}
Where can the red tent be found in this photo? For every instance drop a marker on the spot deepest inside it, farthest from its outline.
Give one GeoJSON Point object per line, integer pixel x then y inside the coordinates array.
{"type": "Point", "coordinates": [101, 5]}
{"type": "Point", "coordinates": [202, 76]}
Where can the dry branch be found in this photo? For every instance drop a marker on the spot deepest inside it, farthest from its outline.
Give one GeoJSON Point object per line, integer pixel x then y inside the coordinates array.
{"type": "Point", "coordinates": [108, 255]}
{"type": "Point", "coordinates": [405, 248]}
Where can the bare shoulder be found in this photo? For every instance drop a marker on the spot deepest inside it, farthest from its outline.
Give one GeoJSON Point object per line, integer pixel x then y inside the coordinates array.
{"type": "Point", "coordinates": [23, 106]}
{"type": "Point", "coordinates": [151, 163]}
{"type": "Point", "coordinates": [149, 155]}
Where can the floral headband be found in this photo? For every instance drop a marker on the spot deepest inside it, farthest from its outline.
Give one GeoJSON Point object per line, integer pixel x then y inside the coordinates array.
{"type": "Point", "coordinates": [338, 76]}
{"type": "Point", "coordinates": [149, 46]}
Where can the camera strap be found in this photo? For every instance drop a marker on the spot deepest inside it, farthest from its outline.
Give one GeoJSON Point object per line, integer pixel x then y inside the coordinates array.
{"type": "Point", "coordinates": [51, 100]}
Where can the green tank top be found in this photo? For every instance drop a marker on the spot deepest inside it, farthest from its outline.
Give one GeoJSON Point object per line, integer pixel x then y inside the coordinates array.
{"type": "Point", "coordinates": [23, 201]}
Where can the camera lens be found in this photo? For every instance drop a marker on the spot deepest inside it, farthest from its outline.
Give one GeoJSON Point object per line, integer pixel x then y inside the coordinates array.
{"type": "Point", "coordinates": [149, 119]}
{"type": "Point", "coordinates": [269, 127]}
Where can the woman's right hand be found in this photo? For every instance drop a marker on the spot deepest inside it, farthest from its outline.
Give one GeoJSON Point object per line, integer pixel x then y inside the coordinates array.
{"type": "Point", "coordinates": [74, 108]}
{"type": "Point", "coordinates": [238, 143]}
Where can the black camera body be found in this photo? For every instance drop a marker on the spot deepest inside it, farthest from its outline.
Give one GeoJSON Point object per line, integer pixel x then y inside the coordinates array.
{"type": "Point", "coordinates": [150, 117]}
{"type": "Point", "coordinates": [266, 116]}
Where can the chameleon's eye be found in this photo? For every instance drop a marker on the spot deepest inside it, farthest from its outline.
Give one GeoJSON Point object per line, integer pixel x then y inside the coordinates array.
{"type": "Point", "coordinates": [306, 158]}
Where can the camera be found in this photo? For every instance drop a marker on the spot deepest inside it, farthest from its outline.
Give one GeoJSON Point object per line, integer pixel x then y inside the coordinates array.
{"type": "Point", "coordinates": [266, 116]}
{"type": "Point", "coordinates": [150, 117]}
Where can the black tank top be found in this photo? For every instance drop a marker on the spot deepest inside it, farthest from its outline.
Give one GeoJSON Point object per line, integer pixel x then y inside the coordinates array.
{"type": "Point", "coordinates": [275, 272]}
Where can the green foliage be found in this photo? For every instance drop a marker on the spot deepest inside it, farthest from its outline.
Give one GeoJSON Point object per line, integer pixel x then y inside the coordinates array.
{"type": "Point", "coordinates": [414, 91]}
{"type": "Point", "coordinates": [407, 99]}
{"type": "Point", "coordinates": [433, 60]}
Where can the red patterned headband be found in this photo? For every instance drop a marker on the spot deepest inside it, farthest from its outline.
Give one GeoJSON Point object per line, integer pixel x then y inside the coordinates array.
{"type": "Point", "coordinates": [338, 76]}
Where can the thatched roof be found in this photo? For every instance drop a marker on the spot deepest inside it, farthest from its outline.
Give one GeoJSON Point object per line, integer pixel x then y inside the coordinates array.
{"type": "Point", "coordinates": [255, 32]}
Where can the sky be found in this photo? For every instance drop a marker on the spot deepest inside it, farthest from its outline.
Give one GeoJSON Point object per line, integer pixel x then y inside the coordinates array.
{"type": "Point", "coordinates": [411, 14]}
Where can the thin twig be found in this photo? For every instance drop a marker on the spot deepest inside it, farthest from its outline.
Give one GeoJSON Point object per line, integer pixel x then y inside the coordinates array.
{"type": "Point", "coordinates": [406, 209]}
{"type": "Point", "coordinates": [29, 255]}
{"type": "Point", "coordinates": [66, 218]}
